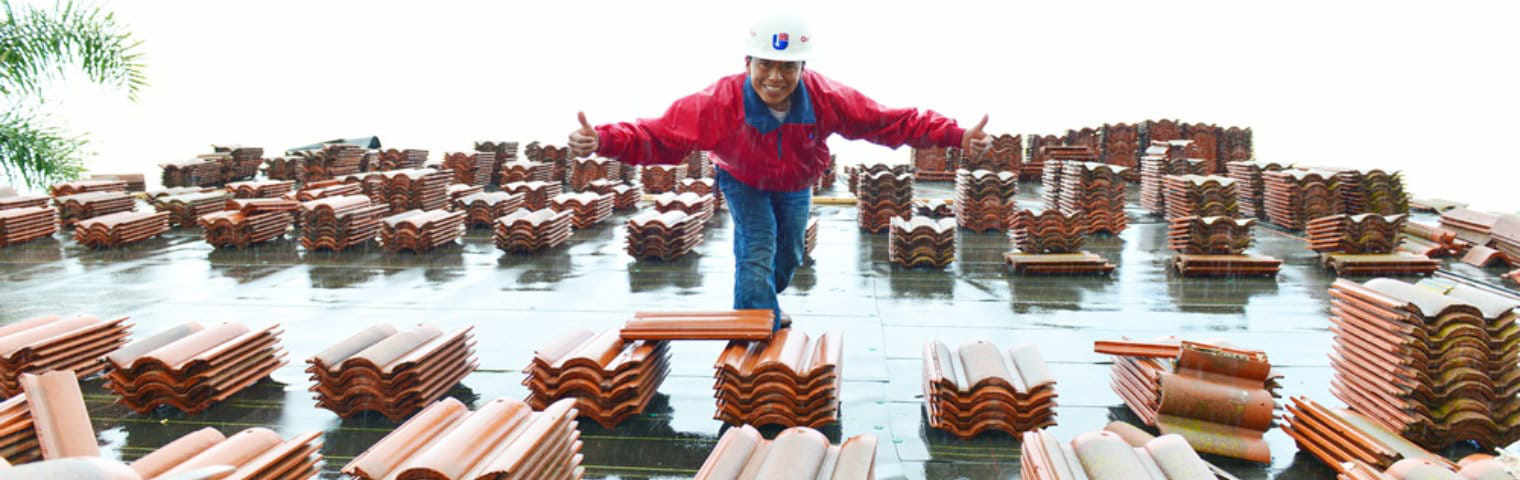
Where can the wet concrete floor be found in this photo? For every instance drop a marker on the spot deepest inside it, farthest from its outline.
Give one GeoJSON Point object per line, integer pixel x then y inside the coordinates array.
{"type": "Point", "coordinates": [518, 303]}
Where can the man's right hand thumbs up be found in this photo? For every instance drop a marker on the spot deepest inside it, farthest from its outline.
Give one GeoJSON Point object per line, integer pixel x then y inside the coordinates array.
{"type": "Point", "coordinates": [583, 141]}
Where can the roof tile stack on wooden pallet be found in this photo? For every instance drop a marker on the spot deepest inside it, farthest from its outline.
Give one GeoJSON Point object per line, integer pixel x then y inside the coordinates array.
{"type": "Point", "coordinates": [1104, 455]}
{"type": "Point", "coordinates": [694, 204]}
{"type": "Point", "coordinates": [662, 236]}
{"type": "Point", "coordinates": [76, 207]}
{"type": "Point", "coordinates": [662, 178]}
{"type": "Point", "coordinates": [338, 223]}
{"type": "Point", "coordinates": [482, 209]}
{"type": "Point", "coordinates": [260, 188]}
{"type": "Point", "coordinates": [394, 372]}
{"type": "Point", "coordinates": [934, 164]}
{"type": "Point", "coordinates": [191, 367]}
{"type": "Point", "coordinates": [1155, 166]}
{"type": "Point", "coordinates": [420, 231]}
{"type": "Point", "coordinates": [504, 438]}
{"type": "Point", "coordinates": [610, 379]}
{"type": "Point", "coordinates": [1250, 187]}
{"type": "Point", "coordinates": [248, 222]}
{"type": "Point", "coordinates": [1295, 196]}
{"type": "Point", "coordinates": [86, 186]}
{"type": "Point", "coordinates": [921, 242]}
{"type": "Point", "coordinates": [53, 342]}
{"type": "Point", "coordinates": [46, 420]}
{"type": "Point", "coordinates": [415, 189]}
{"type": "Point", "coordinates": [1048, 232]}
{"type": "Point", "coordinates": [525, 171]}
{"type": "Point", "coordinates": [984, 199]}
{"type": "Point", "coordinates": [1364, 233]}
{"type": "Point", "coordinates": [797, 452]}
{"type": "Point", "coordinates": [393, 159]}
{"type": "Point", "coordinates": [186, 209]}
{"type": "Point", "coordinates": [21, 225]}
{"type": "Point", "coordinates": [977, 387]}
{"type": "Point", "coordinates": [1200, 196]}
{"type": "Point", "coordinates": [1198, 390]}
{"type": "Point", "coordinates": [1336, 436]}
{"type": "Point", "coordinates": [526, 231]}
{"type": "Point", "coordinates": [1437, 364]}
{"type": "Point", "coordinates": [536, 195]}
{"type": "Point", "coordinates": [1215, 246]}
{"type": "Point", "coordinates": [1096, 190]}
{"type": "Point", "coordinates": [883, 196]}
{"type": "Point", "coordinates": [120, 229]}
{"type": "Point", "coordinates": [255, 454]}
{"type": "Point", "coordinates": [791, 380]}
{"type": "Point", "coordinates": [586, 208]}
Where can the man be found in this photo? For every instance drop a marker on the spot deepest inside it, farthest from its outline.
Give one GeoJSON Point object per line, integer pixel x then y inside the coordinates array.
{"type": "Point", "coordinates": [766, 129]}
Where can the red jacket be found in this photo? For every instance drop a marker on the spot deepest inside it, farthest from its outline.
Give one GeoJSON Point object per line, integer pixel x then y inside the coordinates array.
{"type": "Point", "coordinates": [729, 119]}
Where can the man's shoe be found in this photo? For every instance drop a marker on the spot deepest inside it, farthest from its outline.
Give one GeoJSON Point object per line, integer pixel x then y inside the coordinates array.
{"type": "Point", "coordinates": [786, 321]}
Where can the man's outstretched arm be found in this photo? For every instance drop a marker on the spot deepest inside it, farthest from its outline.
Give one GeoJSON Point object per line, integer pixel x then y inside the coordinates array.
{"type": "Point", "coordinates": [861, 118]}
{"type": "Point", "coordinates": [686, 126]}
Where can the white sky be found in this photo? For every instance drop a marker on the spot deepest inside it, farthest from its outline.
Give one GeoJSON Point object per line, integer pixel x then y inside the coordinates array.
{"type": "Point", "coordinates": [1428, 88]}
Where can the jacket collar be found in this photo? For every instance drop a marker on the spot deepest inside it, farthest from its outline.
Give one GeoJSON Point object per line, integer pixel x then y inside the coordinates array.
{"type": "Point", "coordinates": [758, 115]}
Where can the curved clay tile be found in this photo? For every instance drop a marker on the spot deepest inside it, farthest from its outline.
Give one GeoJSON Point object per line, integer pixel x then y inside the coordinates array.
{"type": "Point", "coordinates": [405, 442]}
{"type": "Point", "coordinates": [469, 443]}
{"type": "Point", "coordinates": [795, 453]}
{"type": "Point", "coordinates": [59, 415]}
{"type": "Point", "coordinates": [1105, 456]}
{"type": "Point", "coordinates": [236, 450]}
{"type": "Point", "coordinates": [155, 464]}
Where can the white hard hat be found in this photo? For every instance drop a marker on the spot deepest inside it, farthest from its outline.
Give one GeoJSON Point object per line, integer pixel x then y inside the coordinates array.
{"type": "Point", "coordinates": [784, 38]}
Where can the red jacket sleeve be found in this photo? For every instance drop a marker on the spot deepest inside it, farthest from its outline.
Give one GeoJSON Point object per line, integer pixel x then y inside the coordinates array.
{"type": "Point", "coordinates": [861, 118]}
{"type": "Point", "coordinates": [688, 125]}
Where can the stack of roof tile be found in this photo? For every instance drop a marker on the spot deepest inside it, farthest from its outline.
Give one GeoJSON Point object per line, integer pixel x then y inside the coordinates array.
{"type": "Point", "coordinates": [280, 168]}
{"type": "Point", "coordinates": [191, 173]}
{"type": "Point", "coordinates": [415, 189]}
{"type": "Point", "coordinates": [1429, 240]}
{"type": "Point", "coordinates": [337, 223]}
{"type": "Point", "coordinates": [1295, 196]}
{"type": "Point", "coordinates": [22, 201]}
{"type": "Point", "coordinates": [260, 188]}
{"type": "Point", "coordinates": [696, 205]}
{"type": "Point", "coordinates": [855, 172]}
{"type": "Point", "coordinates": [185, 209]}
{"type": "Point", "coordinates": [662, 178]}
{"type": "Point", "coordinates": [587, 208]}
{"type": "Point", "coordinates": [53, 342]}
{"type": "Point", "coordinates": [1104, 455]}
{"type": "Point", "coordinates": [558, 158]}
{"type": "Point", "coordinates": [1250, 188]}
{"type": "Point", "coordinates": [191, 367]}
{"type": "Point", "coordinates": [482, 209]}
{"type": "Point", "coordinates": [1005, 155]}
{"type": "Point", "coordinates": [420, 231]}
{"type": "Point", "coordinates": [471, 168]}
{"type": "Point", "coordinates": [921, 242]}
{"type": "Point", "coordinates": [1470, 225]}
{"type": "Point", "coordinates": [791, 380]}
{"type": "Point", "coordinates": [1121, 146]}
{"type": "Point", "coordinates": [609, 378]}
{"type": "Point", "coordinates": [47, 420]}
{"type": "Point", "coordinates": [663, 236]}
{"type": "Point", "coordinates": [1039, 149]}
{"type": "Point", "coordinates": [1506, 237]}
{"type": "Point", "coordinates": [536, 195]}
{"type": "Point", "coordinates": [247, 222]}
{"type": "Point", "coordinates": [21, 225]}
{"type": "Point", "coordinates": [883, 196]}
{"type": "Point", "coordinates": [331, 161]}
{"type": "Point", "coordinates": [1096, 190]}
{"type": "Point", "coordinates": [1202, 196]}
{"type": "Point", "coordinates": [73, 208]}
{"type": "Point", "coordinates": [1049, 232]}
{"type": "Point", "coordinates": [394, 372]}
{"type": "Point", "coordinates": [506, 152]}
{"type": "Point", "coordinates": [504, 439]}
{"type": "Point", "coordinates": [525, 171]}
{"type": "Point", "coordinates": [702, 186]}
{"type": "Point", "coordinates": [1199, 391]}
{"type": "Point", "coordinates": [936, 207]}
{"type": "Point", "coordinates": [976, 388]}
{"type": "Point", "coordinates": [1396, 263]}
{"type": "Point", "coordinates": [1363, 233]}
{"type": "Point", "coordinates": [1205, 146]}
{"type": "Point", "coordinates": [626, 197]}
{"type": "Point", "coordinates": [810, 236]}
{"type": "Point", "coordinates": [584, 170]}
{"type": "Point", "coordinates": [256, 453]}
{"type": "Point", "coordinates": [237, 162]}
{"type": "Point", "coordinates": [526, 230]}
{"type": "Point", "coordinates": [1377, 191]}
{"type": "Point", "coordinates": [459, 190]}
{"type": "Point", "coordinates": [1437, 364]}
{"type": "Point", "coordinates": [393, 159]}
{"type": "Point", "coordinates": [1337, 436]}
{"type": "Point", "coordinates": [330, 188]}
{"type": "Point", "coordinates": [1050, 183]}
{"type": "Point", "coordinates": [699, 164]}
{"type": "Point", "coordinates": [752, 324]}
{"type": "Point", "coordinates": [85, 186]}
{"type": "Point", "coordinates": [120, 229]}
{"type": "Point", "coordinates": [1215, 246]}
{"type": "Point", "coordinates": [984, 199]}
{"type": "Point", "coordinates": [1155, 166]}
{"type": "Point", "coordinates": [797, 452]}
{"type": "Point", "coordinates": [135, 181]}
{"type": "Point", "coordinates": [934, 164]}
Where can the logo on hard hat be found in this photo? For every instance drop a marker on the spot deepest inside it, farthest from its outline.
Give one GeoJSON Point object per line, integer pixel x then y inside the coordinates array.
{"type": "Point", "coordinates": [779, 41]}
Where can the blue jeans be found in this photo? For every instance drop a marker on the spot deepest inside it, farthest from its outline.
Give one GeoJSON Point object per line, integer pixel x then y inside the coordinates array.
{"type": "Point", "coordinates": [768, 241]}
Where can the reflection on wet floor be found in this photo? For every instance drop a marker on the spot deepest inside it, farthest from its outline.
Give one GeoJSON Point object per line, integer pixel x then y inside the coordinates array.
{"type": "Point", "coordinates": [519, 302]}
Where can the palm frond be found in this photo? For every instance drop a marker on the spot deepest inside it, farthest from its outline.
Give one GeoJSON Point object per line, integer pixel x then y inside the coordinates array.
{"type": "Point", "coordinates": [37, 156]}
{"type": "Point", "coordinates": [37, 45]}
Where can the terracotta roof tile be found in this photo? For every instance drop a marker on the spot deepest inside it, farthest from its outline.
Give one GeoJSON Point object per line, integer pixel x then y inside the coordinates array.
{"type": "Point", "coordinates": [536, 194]}
{"type": "Point", "coordinates": [503, 439]}
{"type": "Point", "coordinates": [976, 388]}
{"type": "Point", "coordinates": [192, 368]}
{"type": "Point", "coordinates": [661, 178]}
{"type": "Point", "coordinates": [20, 201]}
{"type": "Point", "coordinates": [921, 241]}
{"type": "Point", "coordinates": [791, 380]}
{"type": "Point", "coordinates": [120, 229]}
{"type": "Point", "coordinates": [664, 235]}
{"type": "Point", "coordinates": [611, 379]}
{"type": "Point", "coordinates": [586, 208]}
{"type": "Point", "coordinates": [421, 231]}
{"type": "Point", "coordinates": [797, 452]}
{"type": "Point", "coordinates": [1396, 263]}
{"type": "Point", "coordinates": [390, 371]}
{"type": "Point", "coordinates": [884, 191]}
{"type": "Point", "coordinates": [1104, 455]}
{"type": "Point", "coordinates": [700, 325]}
{"type": "Point", "coordinates": [55, 343]}
{"type": "Point", "coordinates": [1094, 189]}
{"type": "Point", "coordinates": [83, 186]}
{"type": "Point", "coordinates": [984, 199]}
{"type": "Point", "coordinates": [1081, 263]}
{"type": "Point", "coordinates": [59, 415]}
{"type": "Point", "coordinates": [1051, 231]}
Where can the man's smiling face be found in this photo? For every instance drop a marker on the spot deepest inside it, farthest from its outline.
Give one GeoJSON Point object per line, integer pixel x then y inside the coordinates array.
{"type": "Point", "coordinates": [774, 81]}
